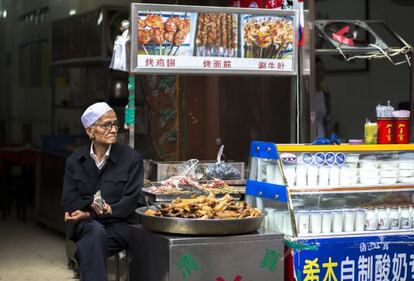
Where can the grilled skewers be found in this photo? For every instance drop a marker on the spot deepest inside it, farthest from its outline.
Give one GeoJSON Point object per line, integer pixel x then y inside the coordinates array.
{"type": "Point", "coordinates": [154, 29]}
{"type": "Point", "coordinates": [216, 35]}
{"type": "Point", "coordinates": [267, 38]}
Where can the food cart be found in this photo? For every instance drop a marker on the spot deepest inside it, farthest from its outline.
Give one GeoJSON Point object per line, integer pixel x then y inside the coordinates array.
{"type": "Point", "coordinates": [209, 40]}
{"type": "Point", "coordinates": [346, 210]}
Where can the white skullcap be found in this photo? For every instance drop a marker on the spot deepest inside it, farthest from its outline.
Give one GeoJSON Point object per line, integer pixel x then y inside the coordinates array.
{"type": "Point", "coordinates": [93, 113]}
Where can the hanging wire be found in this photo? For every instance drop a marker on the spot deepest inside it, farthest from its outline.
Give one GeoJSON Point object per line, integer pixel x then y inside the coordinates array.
{"type": "Point", "coordinates": [391, 52]}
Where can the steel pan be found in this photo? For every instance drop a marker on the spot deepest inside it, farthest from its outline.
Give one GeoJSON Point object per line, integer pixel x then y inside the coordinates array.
{"type": "Point", "coordinates": [199, 226]}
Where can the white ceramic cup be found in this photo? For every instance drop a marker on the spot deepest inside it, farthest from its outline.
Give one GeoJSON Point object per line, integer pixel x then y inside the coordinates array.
{"type": "Point", "coordinates": [334, 175]}
{"type": "Point", "coordinates": [303, 218]}
{"type": "Point", "coordinates": [323, 175]}
{"type": "Point", "coordinates": [405, 218]}
{"type": "Point", "coordinates": [290, 174]}
{"type": "Point", "coordinates": [394, 218]}
{"type": "Point", "coordinates": [359, 220]}
{"type": "Point", "coordinates": [383, 219]}
{"type": "Point", "coordinates": [344, 176]}
{"type": "Point", "coordinates": [301, 175]}
{"type": "Point", "coordinates": [326, 221]}
{"type": "Point", "coordinates": [316, 222]}
{"type": "Point", "coordinates": [337, 221]}
{"type": "Point", "coordinates": [349, 220]}
{"type": "Point", "coordinates": [371, 220]}
{"type": "Point", "coordinates": [313, 175]}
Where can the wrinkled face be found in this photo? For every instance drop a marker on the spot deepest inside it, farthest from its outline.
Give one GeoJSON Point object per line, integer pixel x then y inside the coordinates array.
{"type": "Point", "coordinates": [105, 129]}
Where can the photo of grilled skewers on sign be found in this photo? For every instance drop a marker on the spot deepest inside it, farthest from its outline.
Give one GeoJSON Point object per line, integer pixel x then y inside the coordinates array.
{"type": "Point", "coordinates": [165, 34]}
{"type": "Point", "coordinates": [267, 37]}
{"type": "Point", "coordinates": [216, 35]}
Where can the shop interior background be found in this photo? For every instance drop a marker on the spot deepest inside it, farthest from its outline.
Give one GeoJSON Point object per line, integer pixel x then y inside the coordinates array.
{"type": "Point", "coordinates": [224, 110]}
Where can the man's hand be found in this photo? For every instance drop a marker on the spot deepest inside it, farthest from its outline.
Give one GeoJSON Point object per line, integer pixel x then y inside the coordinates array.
{"type": "Point", "coordinates": [105, 211]}
{"type": "Point", "coordinates": [76, 216]}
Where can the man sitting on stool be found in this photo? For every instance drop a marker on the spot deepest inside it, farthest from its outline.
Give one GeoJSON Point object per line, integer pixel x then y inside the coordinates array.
{"type": "Point", "coordinates": [101, 189]}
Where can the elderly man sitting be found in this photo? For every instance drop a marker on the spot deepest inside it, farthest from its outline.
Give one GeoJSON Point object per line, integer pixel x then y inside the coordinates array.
{"type": "Point", "coordinates": [101, 188]}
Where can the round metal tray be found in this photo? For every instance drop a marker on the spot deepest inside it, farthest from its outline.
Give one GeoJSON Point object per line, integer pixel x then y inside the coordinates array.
{"type": "Point", "coordinates": [199, 226]}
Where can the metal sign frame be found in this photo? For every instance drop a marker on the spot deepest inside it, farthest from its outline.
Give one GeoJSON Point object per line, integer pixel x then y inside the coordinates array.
{"type": "Point", "coordinates": [135, 7]}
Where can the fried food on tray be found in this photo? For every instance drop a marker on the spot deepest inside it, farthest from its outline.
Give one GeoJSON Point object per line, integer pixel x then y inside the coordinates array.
{"type": "Point", "coordinates": [206, 207]}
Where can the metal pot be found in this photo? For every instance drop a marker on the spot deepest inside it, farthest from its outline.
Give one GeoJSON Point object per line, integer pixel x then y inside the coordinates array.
{"type": "Point", "coordinates": [199, 226]}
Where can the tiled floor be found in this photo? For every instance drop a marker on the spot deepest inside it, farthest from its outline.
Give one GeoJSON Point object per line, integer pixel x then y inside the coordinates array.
{"type": "Point", "coordinates": [31, 252]}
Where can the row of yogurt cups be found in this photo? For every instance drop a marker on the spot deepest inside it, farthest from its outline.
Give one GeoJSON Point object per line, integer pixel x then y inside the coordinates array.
{"type": "Point", "coordinates": [367, 170]}
{"type": "Point", "coordinates": [335, 175]}
{"type": "Point", "coordinates": [338, 221]}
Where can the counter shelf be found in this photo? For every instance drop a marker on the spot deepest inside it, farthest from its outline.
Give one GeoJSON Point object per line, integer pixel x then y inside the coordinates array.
{"type": "Point", "coordinates": [356, 198]}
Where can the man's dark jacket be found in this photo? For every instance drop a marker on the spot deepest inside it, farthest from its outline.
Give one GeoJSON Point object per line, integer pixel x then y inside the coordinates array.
{"type": "Point", "coordinates": [120, 182]}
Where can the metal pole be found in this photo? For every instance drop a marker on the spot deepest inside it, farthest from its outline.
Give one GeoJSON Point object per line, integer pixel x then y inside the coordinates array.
{"type": "Point", "coordinates": [312, 99]}
{"type": "Point", "coordinates": [130, 110]}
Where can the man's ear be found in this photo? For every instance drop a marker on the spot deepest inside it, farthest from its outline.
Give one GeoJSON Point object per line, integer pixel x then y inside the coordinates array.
{"type": "Point", "coordinates": [89, 133]}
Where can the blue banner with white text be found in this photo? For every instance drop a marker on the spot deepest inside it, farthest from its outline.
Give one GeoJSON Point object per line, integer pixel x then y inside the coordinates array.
{"type": "Point", "coordinates": [362, 258]}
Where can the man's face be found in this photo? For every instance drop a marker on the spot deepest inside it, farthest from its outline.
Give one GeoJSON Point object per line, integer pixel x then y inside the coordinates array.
{"type": "Point", "coordinates": [105, 129]}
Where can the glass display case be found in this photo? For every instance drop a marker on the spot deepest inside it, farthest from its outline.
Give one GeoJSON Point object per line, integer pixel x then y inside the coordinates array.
{"type": "Point", "coordinates": [333, 190]}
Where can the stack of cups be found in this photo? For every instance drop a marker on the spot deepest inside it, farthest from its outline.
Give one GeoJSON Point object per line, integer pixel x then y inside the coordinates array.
{"type": "Point", "coordinates": [402, 126]}
{"type": "Point", "coordinates": [393, 126]}
{"type": "Point", "coordinates": [349, 171]}
{"type": "Point", "coordinates": [385, 122]}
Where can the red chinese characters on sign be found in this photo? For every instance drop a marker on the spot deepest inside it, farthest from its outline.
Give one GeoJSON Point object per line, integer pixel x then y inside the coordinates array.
{"type": "Point", "coordinates": [217, 64]}
{"type": "Point", "coordinates": [220, 64]}
{"type": "Point", "coordinates": [149, 62]}
{"type": "Point", "coordinates": [159, 62]}
{"type": "Point", "coordinates": [280, 65]}
{"type": "Point", "coordinates": [170, 62]}
{"type": "Point", "coordinates": [270, 65]}
{"type": "Point", "coordinates": [207, 63]}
